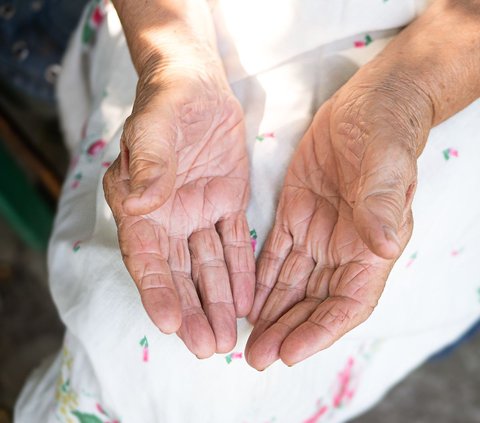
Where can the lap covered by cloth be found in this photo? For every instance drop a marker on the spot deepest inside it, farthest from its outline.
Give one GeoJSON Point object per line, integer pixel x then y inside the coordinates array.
{"type": "Point", "coordinates": [115, 365]}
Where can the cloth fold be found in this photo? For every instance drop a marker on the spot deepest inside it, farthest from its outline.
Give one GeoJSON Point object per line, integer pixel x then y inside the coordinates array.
{"type": "Point", "coordinates": [117, 367]}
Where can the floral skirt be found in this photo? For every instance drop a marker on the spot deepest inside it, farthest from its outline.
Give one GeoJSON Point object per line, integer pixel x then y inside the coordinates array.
{"type": "Point", "coordinates": [115, 365]}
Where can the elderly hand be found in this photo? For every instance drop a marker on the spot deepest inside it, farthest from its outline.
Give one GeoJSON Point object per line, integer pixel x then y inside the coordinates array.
{"type": "Point", "coordinates": [178, 192]}
{"type": "Point", "coordinates": [344, 215]}
{"type": "Point", "coordinates": [343, 219]}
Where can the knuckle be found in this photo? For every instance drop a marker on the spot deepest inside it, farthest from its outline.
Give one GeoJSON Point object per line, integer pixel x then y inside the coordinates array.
{"type": "Point", "coordinates": [107, 183]}
{"type": "Point", "coordinates": [135, 129]}
{"type": "Point", "coordinates": [145, 147]}
{"type": "Point", "coordinates": [337, 315]}
{"type": "Point", "coordinates": [106, 180]}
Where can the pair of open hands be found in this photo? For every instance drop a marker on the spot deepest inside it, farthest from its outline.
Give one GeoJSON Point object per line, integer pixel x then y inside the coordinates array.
{"type": "Point", "coordinates": [179, 190]}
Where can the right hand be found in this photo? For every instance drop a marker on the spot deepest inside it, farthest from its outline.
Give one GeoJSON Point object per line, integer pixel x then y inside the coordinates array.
{"type": "Point", "coordinates": [178, 192]}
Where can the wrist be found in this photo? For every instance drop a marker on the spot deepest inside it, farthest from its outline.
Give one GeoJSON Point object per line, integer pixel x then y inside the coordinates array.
{"type": "Point", "coordinates": [197, 68]}
{"type": "Point", "coordinates": [424, 76]}
{"type": "Point", "coordinates": [175, 31]}
{"type": "Point", "coordinates": [441, 61]}
{"type": "Point", "coordinates": [384, 100]}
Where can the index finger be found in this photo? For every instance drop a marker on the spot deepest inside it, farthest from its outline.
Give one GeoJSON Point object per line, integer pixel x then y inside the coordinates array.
{"type": "Point", "coordinates": [145, 248]}
{"type": "Point", "coordinates": [350, 303]}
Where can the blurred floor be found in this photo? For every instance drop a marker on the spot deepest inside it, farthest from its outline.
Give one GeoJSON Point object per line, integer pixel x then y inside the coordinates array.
{"type": "Point", "coordinates": [443, 391]}
{"type": "Point", "coordinates": [29, 326]}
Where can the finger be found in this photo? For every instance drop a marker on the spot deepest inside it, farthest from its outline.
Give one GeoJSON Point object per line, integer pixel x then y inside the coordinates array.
{"type": "Point", "coordinates": [214, 286]}
{"type": "Point", "coordinates": [115, 188]}
{"type": "Point", "coordinates": [145, 251]}
{"type": "Point", "coordinates": [266, 348]}
{"type": "Point", "coordinates": [331, 320]}
{"type": "Point", "coordinates": [351, 281]}
{"type": "Point", "coordinates": [144, 247]}
{"type": "Point", "coordinates": [319, 281]}
{"type": "Point", "coordinates": [274, 252]}
{"type": "Point", "coordinates": [384, 197]}
{"type": "Point", "coordinates": [288, 291]}
{"type": "Point", "coordinates": [148, 144]}
{"type": "Point", "coordinates": [195, 331]}
{"type": "Point", "coordinates": [237, 248]}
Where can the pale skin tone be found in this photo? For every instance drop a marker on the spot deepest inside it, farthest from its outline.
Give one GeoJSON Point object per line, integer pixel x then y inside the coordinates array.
{"type": "Point", "coordinates": [179, 188]}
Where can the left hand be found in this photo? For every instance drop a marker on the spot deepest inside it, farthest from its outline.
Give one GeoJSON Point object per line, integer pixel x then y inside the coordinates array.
{"type": "Point", "coordinates": [343, 219]}
{"type": "Point", "coordinates": [344, 215]}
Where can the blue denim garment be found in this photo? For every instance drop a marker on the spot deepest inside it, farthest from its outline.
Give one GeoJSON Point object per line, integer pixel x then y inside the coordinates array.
{"type": "Point", "coordinates": [33, 38]}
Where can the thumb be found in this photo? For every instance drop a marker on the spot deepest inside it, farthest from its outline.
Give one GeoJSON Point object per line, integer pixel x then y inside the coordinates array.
{"type": "Point", "coordinates": [385, 192]}
{"type": "Point", "coordinates": [148, 159]}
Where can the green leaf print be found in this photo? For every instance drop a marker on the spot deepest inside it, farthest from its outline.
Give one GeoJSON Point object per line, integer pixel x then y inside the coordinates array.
{"type": "Point", "coordinates": [86, 418]}
{"type": "Point", "coordinates": [87, 34]}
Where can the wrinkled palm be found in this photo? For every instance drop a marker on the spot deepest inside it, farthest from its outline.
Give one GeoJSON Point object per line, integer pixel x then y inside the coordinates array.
{"type": "Point", "coordinates": [179, 191]}
{"type": "Point", "coordinates": [343, 219]}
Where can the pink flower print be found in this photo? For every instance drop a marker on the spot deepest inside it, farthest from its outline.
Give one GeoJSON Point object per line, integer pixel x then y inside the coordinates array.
{"type": "Point", "coordinates": [449, 152]}
{"type": "Point", "coordinates": [456, 252]}
{"type": "Point", "coordinates": [363, 43]}
{"type": "Point", "coordinates": [233, 356]}
{"type": "Point", "coordinates": [253, 238]}
{"type": "Point", "coordinates": [315, 418]}
{"type": "Point", "coordinates": [100, 409]}
{"type": "Point", "coordinates": [76, 246]}
{"type": "Point", "coordinates": [265, 135]}
{"type": "Point", "coordinates": [95, 148]}
{"type": "Point", "coordinates": [76, 180]}
{"type": "Point", "coordinates": [103, 412]}
{"type": "Point", "coordinates": [97, 14]}
{"type": "Point", "coordinates": [106, 164]}
{"type": "Point", "coordinates": [144, 344]}
{"type": "Point", "coordinates": [345, 392]}
{"type": "Point", "coordinates": [97, 17]}
{"type": "Point", "coordinates": [412, 258]}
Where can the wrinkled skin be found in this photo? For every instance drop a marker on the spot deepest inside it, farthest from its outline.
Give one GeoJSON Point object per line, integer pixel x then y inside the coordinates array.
{"type": "Point", "coordinates": [343, 219]}
{"type": "Point", "coordinates": [178, 192]}
{"type": "Point", "coordinates": [179, 188]}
